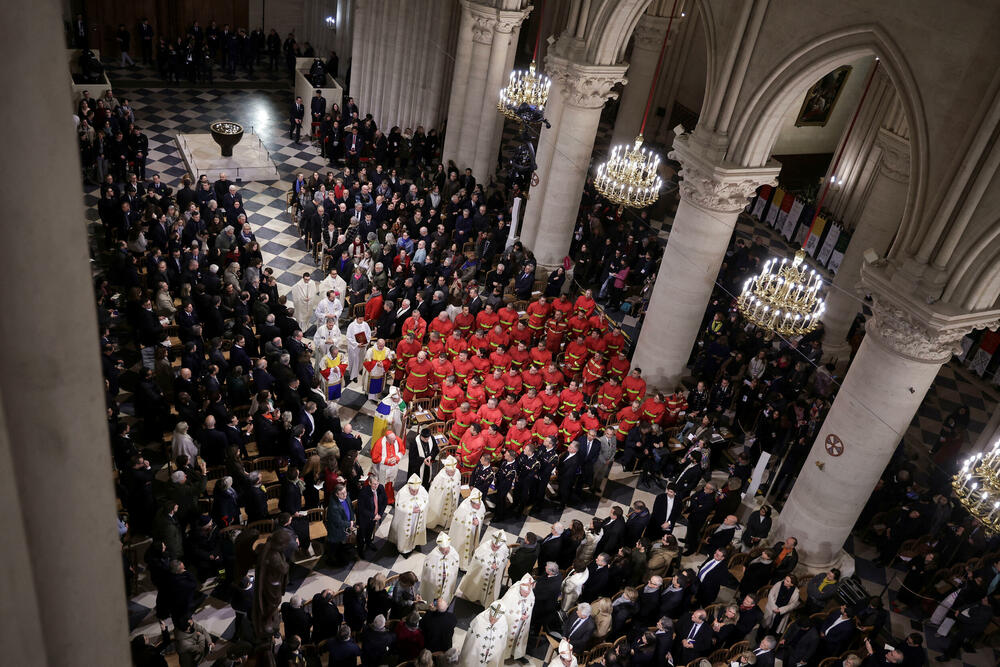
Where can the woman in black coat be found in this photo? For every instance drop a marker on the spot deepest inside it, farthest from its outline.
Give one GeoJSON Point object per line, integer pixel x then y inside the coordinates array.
{"type": "Point", "coordinates": [355, 607]}
{"type": "Point", "coordinates": [555, 283]}
{"type": "Point", "coordinates": [758, 527]}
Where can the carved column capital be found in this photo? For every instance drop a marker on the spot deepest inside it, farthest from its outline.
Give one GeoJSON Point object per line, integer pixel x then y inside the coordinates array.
{"type": "Point", "coordinates": [912, 328]}
{"type": "Point", "coordinates": [507, 21]}
{"type": "Point", "coordinates": [648, 33]}
{"type": "Point", "coordinates": [587, 86]}
{"type": "Point", "coordinates": [895, 159]}
{"type": "Point", "coordinates": [715, 186]}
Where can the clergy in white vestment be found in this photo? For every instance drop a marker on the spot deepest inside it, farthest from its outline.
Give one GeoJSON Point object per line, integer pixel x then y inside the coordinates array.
{"type": "Point", "coordinates": [482, 582]}
{"type": "Point", "coordinates": [358, 336]}
{"type": "Point", "coordinates": [331, 305]}
{"type": "Point", "coordinates": [304, 295]}
{"type": "Point", "coordinates": [388, 415]}
{"type": "Point", "coordinates": [445, 492]}
{"type": "Point", "coordinates": [466, 526]}
{"type": "Point", "coordinates": [327, 337]}
{"type": "Point", "coordinates": [377, 364]}
{"type": "Point", "coordinates": [409, 519]}
{"type": "Point", "coordinates": [331, 368]}
{"type": "Point", "coordinates": [439, 575]}
{"type": "Point", "coordinates": [334, 282]}
{"type": "Point", "coordinates": [486, 640]}
{"type": "Point", "coordinates": [519, 602]}
{"type": "Point", "coordinates": [565, 657]}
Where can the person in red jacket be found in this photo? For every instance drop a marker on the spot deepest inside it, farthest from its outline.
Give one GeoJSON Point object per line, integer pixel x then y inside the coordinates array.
{"type": "Point", "coordinates": [373, 307]}
{"type": "Point", "coordinates": [520, 357]}
{"type": "Point", "coordinates": [555, 330]}
{"type": "Point", "coordinates": [452, 396]}
{"type": "Point", "coordinates": [489, 413]}
{"type": "Point", "coordinates": [595, 344]}
{"type": "Point", "coordinates": [470, 448]}
{"type": "Point", "coordinates": [475, 394]}
{"type": "Point", "coordinates": [520, 333]}
{"type": "Point", "coordinates": [464, 369]}
{"type": "Point", "coordinates": [479, 341]}
{"type": "Point", "coordinates": [465, 322]}
{"type": "Point", "coordinates": [500, 359]}
{"type": "Point", "coordinates": [465, 417]}
{"type": "Point", "coordinates": [593, 373]}
{"type": "Point", "coordinates": [508, 317]}
{"type": "Point", "coordinates": [481, 364]}
{"type": "Point", "coordinates": [570, 428]}
{"type": "Point", "coordinates": [628, 417]}
{"type": "Point", "coordinates": [508, 406]}
{"type": "Point", "coordinates": [570, 399]}
{"type": "Point", "coordinates": [518, 436]}
{"type": "Point", "coordinates": [442, 324]}
{"type": "Point", "coordinates": [533, 378]}
{"type": "Point", "coordinates": [531, 405]}
{"type": "Point", "coordinates": [575, 355]}
{"type": "Point", "coordinates": [406, 349]}
{"type": "Point", "coordinates": [440, 369]}
{"type": "Point", "coordinates": [415, 324]}
{"type": "Point", "coordinates": [578, 326]}
{"type": "Point", "coordinates": [618, 366]}
{"type": "Point", "coordinates": [653, 408]}
{"type": "Point", "coordinates": [540, 355]}
{"type": "Point", "coordinates": [552, 375]}
{"type": "Point", "coordinates": [493, 443]}
{"type": "Point", "coordinates": [418, 377]}
{"type": "Point", "coordinates": [589, 419]}
{"type": "Point", "coordinates": [544, 428]}
{"type": "Point", "coordinates": [633, 386]}
{"type": "Point", "coordinates": [538, 314]}
{"type": "Point", "coordinates": [486, 319]}
{"type": "Point", "coordinates": [512, 381]}
{"type": "Point", "coordinates": [676, 404]}
{"type": "Point", "coordinates": [455, 343]}
{"type": "Point", "coordinates": [563, 305]}
{"type": "Point", "coordinates": [434, 345]}
{"type": "Point", "coordinates": [498, 338]}
{"type": "Point", "coordinates": [614, 340]}
{"type": "Point", "coordinates": [493, 385]}
{"type": "Point", "coordinates": [585, 304]}
{"type": "Point", "coordinates": [550, 400]}
{"type": "Point", "coordinates": [609, 397]}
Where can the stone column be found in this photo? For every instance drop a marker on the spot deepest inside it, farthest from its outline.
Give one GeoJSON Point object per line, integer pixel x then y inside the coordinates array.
{"type": "Point", "coordinates": [459, 85]}
{"type": "Point", "coordinates": [646, 42]}
{"type": "Point", "coordinates": [584, 89]}
{"type": "Point", "coordinates": [54, 443]}
{"type": "Point", "coordinates": [712, 194]}
{"type": "Point", "coordinates": [907, 341]}
{"type": "Point", "coordinates": [544, 153]}
{"type": "Point", "coordinates": [490, 124]}
{"type": "Point", "coordinates": [877, 223]}
{"type": "Point", "coordinates": [483, 24]}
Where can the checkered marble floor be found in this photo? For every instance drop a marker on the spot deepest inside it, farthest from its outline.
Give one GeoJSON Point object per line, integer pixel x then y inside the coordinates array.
{"type": "Point", "coordinates": [163, 112]}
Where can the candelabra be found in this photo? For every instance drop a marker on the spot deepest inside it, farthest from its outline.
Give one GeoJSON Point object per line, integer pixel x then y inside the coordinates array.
{"type": "Point", "coordinates": [977, 487]}
{"type": "Point", "coordinates": [784, 297]}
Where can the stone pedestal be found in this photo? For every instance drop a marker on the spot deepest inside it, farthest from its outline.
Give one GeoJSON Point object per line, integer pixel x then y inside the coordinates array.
{"type": "Point", "coordinates": [584, 89]}
{"type": "Point", "coordinates": [906, 343]}
{"type": "Point", "coordinates": [331, 90]}
{"type": "Point", "coordinates": [250, 160]}
{"type": "Point", "coordinates": [875, 228]}
{"type": "Point", "coordinates": [646, 42]}
{"type": "Point", "coordinates": [97, 89]}
{"type": "Point", "coordinates": [711, 196]}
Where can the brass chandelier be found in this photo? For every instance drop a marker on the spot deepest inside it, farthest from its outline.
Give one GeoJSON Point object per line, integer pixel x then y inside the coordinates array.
{"type": "Point", "coordinates": [977, 487]}
{"type": "Point", "coordinates": [528, 86]}
{"type": "Point", "coordinates": [783, 298]}
{"type": "Point", "coordinates": [629, 178]}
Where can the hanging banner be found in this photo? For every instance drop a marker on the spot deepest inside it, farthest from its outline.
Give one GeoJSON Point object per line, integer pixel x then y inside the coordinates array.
{"type": "Point", "coordinates": [815, 234]}
{"type": "Point", "coordinates": [836, 257]}
{"type": "Point", "coordinates": [800, 235]}
{"type": "Point", "coordinates": [772, 212]}
{"type": "Point", "coordinates": [515, 218]}
{"type": "Point", "coordinates": [988, 344]}
{"type": "Point", "coordinates": [763, 196]}
{"type": "Point", "coordinates": [792, 218]}
{"type": "Point", "coordinates": [828, 244]}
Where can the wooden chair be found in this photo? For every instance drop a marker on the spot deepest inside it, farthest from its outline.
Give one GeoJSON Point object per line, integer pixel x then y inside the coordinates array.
{"type": "Point", "coordinates": [437, 428]}
{"type": "Point", "coordinates": [597, 652]}
{"type": "Point", "coordinates": [719, 655]}
{"type": "Point", "coordinates": [829, 662]}
{"type": "Point", "coordinates": [317, 523]}
{"type": "Point", "coordinates": [738, 648]}
{"type": "Point", "coordinates": [273, 493]}
{"type": "Point", "coordinates": [446, 451]}
{"type": "Point", "coordinates": [738, 565]}
{"type": "Point", "coordinates": [264, 526]}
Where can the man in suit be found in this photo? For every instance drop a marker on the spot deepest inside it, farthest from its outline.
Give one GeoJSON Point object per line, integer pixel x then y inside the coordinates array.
{"type": "Point", "coordinates": [347, 439]}
{"type": "Point", "coordinates": [800, 642]}
{"type": "Point", "coordinates": [547, 589]}
{"type": "Point", "coordinates": [344, 651]}
{"type": "Point", "coordinates": [589, 447]}
{"type": "Point", "coordinates": [723, 535]}
{"type": "Point", "coordinates": [694, 637]}
{"type": "Point", "coordinates": [438, 626]}
{"type": "Point", "coordinates": [317, 106]}
{"type": "Point", "coordinates": [569, 470]}
{"type": "Point", "coordinates": [613, 533]}
{"type": "Point", "coordinates": [296, 618]}
{"type": "Point", "coordinates": [970, 624]}
{"type": "Point", "coordinates": [712, 575]}
{"type": "Point", "coordinates": [371, 508]}
{"type": "Point", "coordinates": [664, 636]}
{"type": "Point", "coordinates": [579, 629]}
{"type": "Point", "coordinates": [836, 632]}
{"type": "Point", "coordinates": [598, 579]}
{"type": "Point", "coordinates": [340, 518]}
{"type": "Point", "coordinates": [689, 476]}
{"type": "Point", "coordinates": [649, 600]}
{"type": "Point", "coordinates": [701, 506]}
{"type": "Point", "coordinates": [238, 355]}
{"type": "Point", "coordinates": [295, 120]}
{"type": "Point", "coordinates": [255, 500]}
{"type": "Point", "coordinates": [524, 283]}
{"type": "Point", "coordinates": [675, 596]}
{"type": "Point", "coordinates": [765, 651]}
{"type": "Point", "coordinates": [551, 546]}
{"type": "Point", "coordinates": [636, 523]}
{"type": "Point", "coordinates": [523, 558]}
{"type": "Point", "coordinates": [666, 509]}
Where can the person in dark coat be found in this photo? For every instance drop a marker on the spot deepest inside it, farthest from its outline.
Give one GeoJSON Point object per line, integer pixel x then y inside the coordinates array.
{"type": "Point", "coordinates": [636, 523]}
{"type": "Point", "coordinates": [598, 580]}
{"type": "Point", "coordinates": [712, 575]}
{"type": "Point", "coordinates": [751, 616]}
{"type": "Point", "coordinates": [376, 643]}
{"type": "Point", "coordinates": [613, 533]}
{"type": "Point", "coordinates": [344, 651]}
{"type": "Point", "coordinates": [701, 506]}
{"type": "Point", "coordinates": [296, 618]}
{"type": "Point", "coordinates": [326, 617]}
{"type": "Point", "coordinates": [758, 527]}
{"type": "Point", "coordinates": [551, 547]}
{"type": "Point", "coordinates": [666, 509]}
{"type": "Point", "coordinates": [836, 632]}
{"type": "Point", "coordinates": [757, 573]}
{"type": "Point", "coordinates": [970, 624]}
{"type": "Point", "coordinates": [580, 628]}
{"type": "Point", "coordinates": [340, 518]}
{"type": "Point", "coordinates": [801, 641]}
{"type": "Point", "coordinates": [355, 607]}
{"type": "Point", "coordinates": [664, 636]}
{"type": "Point", "coordinates": [643, 652]}
{"type": "Point", "coordinates": [371, 509]}
{"type": "Point", "coordinates": [649, 600]}
{"type": "Point", "coordinates": [438, 625]}
{"type": "Point", "coordinates": [786, 557]}
{"type": "Point", "coordinates": [569, 469]}
{"type": "Point", "coordinates": [694, 638]}
{"type": "Point", "coordinates": [255, 500]}
{"type": "Point", "coordinates": [547, 590]}
{"type": "Point", "coordinates": [523, 558]}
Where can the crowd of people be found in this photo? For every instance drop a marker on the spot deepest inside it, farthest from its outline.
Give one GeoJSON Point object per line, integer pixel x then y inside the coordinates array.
{"type": "Point", "coordinates": [425, 304]}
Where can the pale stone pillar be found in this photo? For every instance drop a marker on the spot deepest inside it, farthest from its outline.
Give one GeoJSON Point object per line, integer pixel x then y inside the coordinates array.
{"type": "Point", "coordinates": [544, 153]}
{"type": "Point", "coordinates": [459, 86]}
{"type": "Point", "coordinates": [647, 40]}
{"type": "Point", "coordinates": [907, 341]}
{"type": "Point", "coordinates": [876, 226]}
{"type": "Point", "coordinates": [712, 195]}
{"type": "Point", "coordinates": [585, 89]}
{"type": "Point", "coordinates": [54, 447]}
{"type": "Point", "coordinates": [483, 23]}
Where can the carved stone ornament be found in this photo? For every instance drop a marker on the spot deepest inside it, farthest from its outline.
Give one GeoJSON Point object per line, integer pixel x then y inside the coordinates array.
{"type": "Point", "coordinates": [704, 188]}
{"type": "Point", "coordinates": [648, 33]}
{"type": "Point", "coordinates": [906, 335]}
{"type": "Point", "coordinates": [482, 29]}
{"type": "Point", "coordinates": [587, 86]}
{"type": "Point", "coordinates": [895, 161]}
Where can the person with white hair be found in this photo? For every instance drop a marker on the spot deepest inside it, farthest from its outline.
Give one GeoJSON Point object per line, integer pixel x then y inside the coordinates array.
{"type": "Point", "coordinates": [485, 642]}
{"type": "Point", "coordinates": [439, 576]}
{"type": "Point", "coordinates": [466, 527]}
{"type": "Point", "coordinates": [182, 443]}
{"type": "Point", "coordinates": [519, 603]}
{"type": "Point", "coordinates": [409, 519]}
{"type": "Point", "coordinates": [444, 495]}
{"type": "Point", "coordinates": [482, 582]}
{"type": "Point", "coordinates": [580, 628]}
{"type": "Point", "coordinates": [304, 297]}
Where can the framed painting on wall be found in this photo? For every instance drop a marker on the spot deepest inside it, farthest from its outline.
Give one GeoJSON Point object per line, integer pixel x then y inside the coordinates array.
{"type": "Point", "coordinates": [818, 105]}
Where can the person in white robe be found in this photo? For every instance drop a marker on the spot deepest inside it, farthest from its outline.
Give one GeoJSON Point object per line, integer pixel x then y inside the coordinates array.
{"type": "Point", "coordinates": [329, 306]}
{"type": "Point", "coordinates": [565, 657]}
{"type": "Point", "coordinates": [327, 338]}
{"type": "Point", "coordinates": [334, 282]}
{"type": "Point", "coordinates": [445, 493]}
{"type": "Point", "coordinates": [486, 571]}
{"type": "Point", "coordinates": [389, 415]}
{"type": "Point", "coordinates": [439, 576]}
{"type": "Point", "coordinates": [359, 334]}
{"type": "Point", "coordinates": [485, 642]}
{"type": "Point", "coordinates": [377, 364]}
{"type": "Point", "coordinates": [572, 586]}
{"type": "Point", "coordinates": [409, 519]}
{"type": "Point", "coordinates": [304, 296]}
{"type": "Point", "coordinates": [331, 368]}
{"type": "Point", "coordinates": [519, 602]}
{"type": "Point", "coordinates": [466, 526]}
